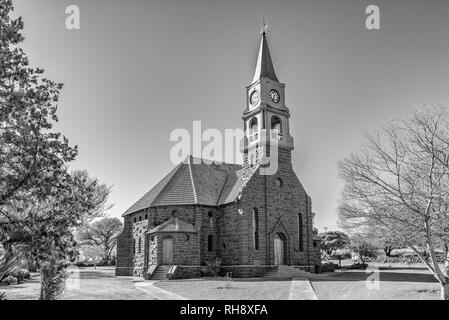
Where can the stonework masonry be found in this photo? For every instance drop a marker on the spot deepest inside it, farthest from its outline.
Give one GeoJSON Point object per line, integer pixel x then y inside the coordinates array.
{"type": "Point", "coordinates": [251, 222]}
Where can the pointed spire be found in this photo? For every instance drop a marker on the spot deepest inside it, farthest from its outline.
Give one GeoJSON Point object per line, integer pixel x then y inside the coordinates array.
{"type": "Point", "coordinates": [264, 66]}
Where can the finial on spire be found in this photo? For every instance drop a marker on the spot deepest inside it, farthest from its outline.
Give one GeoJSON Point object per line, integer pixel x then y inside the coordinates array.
{"type": "Point", "coordinates": [264, 65]}
{"type": "Point", "coordinates": [265, 27]}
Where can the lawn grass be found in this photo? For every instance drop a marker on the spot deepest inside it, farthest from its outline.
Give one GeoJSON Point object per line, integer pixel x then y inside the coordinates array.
{"type": "Point", "coordinates": [94, 284]}
{"type": "Point", "coordinates": [216, 289]}
{"type": "Point", "coordinates": [394, 284]}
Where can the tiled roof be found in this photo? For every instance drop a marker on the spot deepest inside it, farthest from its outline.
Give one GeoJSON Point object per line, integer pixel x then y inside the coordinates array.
{"type": "Point", "coordinates": [173, 225]}
{"type": "Point", "coordinates": [194, 182]}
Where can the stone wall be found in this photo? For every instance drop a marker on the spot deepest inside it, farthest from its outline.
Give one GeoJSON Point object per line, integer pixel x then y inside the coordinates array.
{"type": "Point", "coordinates": [152, 250]}
{"type": "Point", "coordinates": [231, 228]}
{"type": "Point", "coordinates": [278, 211]}
{"type": "Point", "coordinates": [124, 265]}
{"type": "Point", "coordinates": [187, 272]}
{"type": "Point", "coordinates": [139, 228]}
{"type": "Point", "coordinates": [185, 248]}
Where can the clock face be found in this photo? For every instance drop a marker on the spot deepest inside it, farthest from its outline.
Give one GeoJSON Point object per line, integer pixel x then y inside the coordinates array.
{"type": "Point", "coordinates": [274, 96]}
{"type": "Point", "coordinates": [254, 98]}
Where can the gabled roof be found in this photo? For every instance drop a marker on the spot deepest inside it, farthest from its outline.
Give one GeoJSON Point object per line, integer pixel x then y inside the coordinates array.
{"type": "Point", "coordinates": [173, 225]}
{"type": "Point", "coordinates": [264, 66]}
{"type": "Point", "coordinates": [193, 182]}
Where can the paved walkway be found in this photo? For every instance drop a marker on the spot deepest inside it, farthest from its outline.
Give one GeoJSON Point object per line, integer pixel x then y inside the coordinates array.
{"type": "Point", "coordinates": [150, 289]}
{"type": "Point", "coordinates": [301, 289]}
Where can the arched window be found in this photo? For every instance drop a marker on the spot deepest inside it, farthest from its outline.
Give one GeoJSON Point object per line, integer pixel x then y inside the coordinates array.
{"type": "Point", "coordinates": [256, 228]}
{"type": "Point", "coordinates": [210, 243]}
{"type": "Point", "coordinates": [146, 216]}
{"type": "Point", "coordinates": [134, 245]}
{"type": "Point", "coordinates": [300, 233]}
{"type": "Point", "coordinates": [135, 219]}
{"type": "Point", "coordinates": [140, 245]}
{"type": "Point", "coordinates": [254, 127]}
{"type": "Point", "coordinates": [140, 218]}
{"type": "Point", "coordinates": [276, 124]}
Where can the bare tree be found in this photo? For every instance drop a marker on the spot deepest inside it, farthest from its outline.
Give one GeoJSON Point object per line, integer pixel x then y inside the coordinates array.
{"type": "Point", "coordinates": [101, 234]}
{"type": "Point", "coordinates": [399, 182]}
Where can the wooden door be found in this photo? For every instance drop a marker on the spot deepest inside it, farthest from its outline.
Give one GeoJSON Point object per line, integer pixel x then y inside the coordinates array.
{"type": "Point", "coordinates": [167, 251]}
{"type": "Point", "coordinates": [278, 250]}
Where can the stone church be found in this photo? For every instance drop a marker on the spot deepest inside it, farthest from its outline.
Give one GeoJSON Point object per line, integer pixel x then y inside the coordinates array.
{"type": "Point", "coordinates": [253, 220]}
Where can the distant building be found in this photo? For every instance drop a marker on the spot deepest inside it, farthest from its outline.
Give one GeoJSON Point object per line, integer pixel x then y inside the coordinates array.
{"type": "Point", "coordinates": [199, 212]}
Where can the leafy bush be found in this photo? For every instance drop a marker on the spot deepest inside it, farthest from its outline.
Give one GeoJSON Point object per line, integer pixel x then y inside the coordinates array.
{"type": "Point", "coordinates": [9, 280]}
{"type": "Point", "coordinates": [20, 274]}
{"type": "Point", "coordinates": [27, 274]}
{"type": "Point", "coordinates": [404, 259]}
{"type": "Point", "coordinates": [328, 267]}
{"type": "Point", "coordinates": [358, 266]}
{"type": "Point", "coordinates": [341, 254]}
{"type": "Point", "coordinates": [228, 280]}
{"type": "Point", "coordinates": [212, 269]}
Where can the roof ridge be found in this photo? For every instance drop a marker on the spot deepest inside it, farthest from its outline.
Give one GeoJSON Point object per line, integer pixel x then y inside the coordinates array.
{"type": "Point", "coordinates": [191, 178]}
{"type": "Point", "coordinates": [222, 188]}
{"type": "Point", "coordinates": [176, 169]}
{"type": "Point", "coordinates": [159, 181]}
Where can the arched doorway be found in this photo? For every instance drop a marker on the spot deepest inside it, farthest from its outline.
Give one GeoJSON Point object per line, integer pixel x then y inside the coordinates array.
{"type": "Point", "coordinates": [167, 251]}
{"type": "Point", "coordinates": [279, 249]}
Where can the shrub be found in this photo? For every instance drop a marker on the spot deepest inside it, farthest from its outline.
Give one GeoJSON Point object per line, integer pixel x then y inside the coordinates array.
{"type": "Point", "coordinates": [328, 267]}
{"type": "Point", "coordinates": [19, 274]}
{"type": "Point", "coordinates": [404, 259]}
{"type": "Point", "coordinates": [84, 264]}
{"type": "Point", "coordinates": [9, 280]}
{"type": "Point", "coordinates": [358, 266]}
{"type": "Point", "coordinates": [27, 274]}
{"type": "Point", "coordinates": [212, 269]}
{"type": "Point", "coordinates": [228, 280]}
{"type": "Point", "coordinates": [341, 254]}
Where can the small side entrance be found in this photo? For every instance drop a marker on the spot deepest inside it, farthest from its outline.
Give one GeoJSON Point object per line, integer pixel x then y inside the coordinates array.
{"type": "Point", "coordinates": [167, 251]}
{"type": "Point", "coordinates": [279, 247]}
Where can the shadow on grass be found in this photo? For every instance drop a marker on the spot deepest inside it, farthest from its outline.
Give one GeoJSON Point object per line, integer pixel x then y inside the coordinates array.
{"type": "Point", "coordinates": [95, 274]}
{"type": "Point", "coordinates": [384, 276]}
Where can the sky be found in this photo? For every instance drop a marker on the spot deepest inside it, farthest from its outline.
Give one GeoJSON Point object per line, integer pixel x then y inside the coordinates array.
{"type": "Point", "coordinates": [139, 69]}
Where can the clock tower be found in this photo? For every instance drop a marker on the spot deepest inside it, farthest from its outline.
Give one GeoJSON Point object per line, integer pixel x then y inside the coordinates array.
{"type": "Point", "coordinates": [266, 117]}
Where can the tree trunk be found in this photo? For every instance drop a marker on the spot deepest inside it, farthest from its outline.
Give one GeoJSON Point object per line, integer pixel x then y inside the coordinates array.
{"type": "Point", "coordinates": [445, 291]}
{"type": "Point", "coordinates": [388, 251]}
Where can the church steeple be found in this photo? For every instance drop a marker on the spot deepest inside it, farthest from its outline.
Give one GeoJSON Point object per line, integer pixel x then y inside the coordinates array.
{"type": "Point", "coordinates": [266, 116]}
{"type": "Point", "coordinates": [264, 66]}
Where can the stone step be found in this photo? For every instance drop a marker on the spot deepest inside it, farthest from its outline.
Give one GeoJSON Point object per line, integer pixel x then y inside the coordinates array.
{"type": "Point", "coordinates": [160, 273]}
